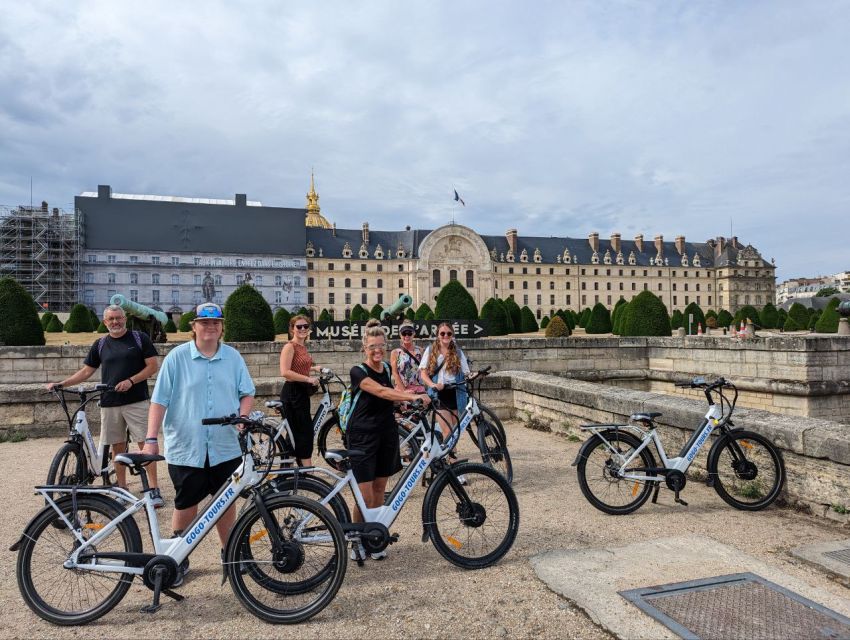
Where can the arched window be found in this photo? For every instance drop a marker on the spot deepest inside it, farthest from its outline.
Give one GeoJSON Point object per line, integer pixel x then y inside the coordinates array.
{"type": "Point", "coordinates": [348, 314]}
{"type": "Point", "coordinates": [470, 278]}
{"type": "Point", "coordinates": [380, 283]}
{"type": "Point", "coordinates": [401, 283]}
{"type": "Point", "coordinates": [452, 274]}
{"type": "Point", "coordinates": [436, 278]}
{"type": "Point", "coordinates": [348, 283]}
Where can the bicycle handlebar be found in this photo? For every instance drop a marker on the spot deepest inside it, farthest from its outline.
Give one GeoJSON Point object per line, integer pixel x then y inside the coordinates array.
{"type": "Point", "coordinates": [98, 388]}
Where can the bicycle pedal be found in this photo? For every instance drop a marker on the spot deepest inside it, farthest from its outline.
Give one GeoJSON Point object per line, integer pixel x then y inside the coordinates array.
{"type": "Point", "coordinates": [393, 538]}
{"type": "Point", "coordinates": [680, 501]}
{"type": "Point", "coordinates": [150, 608]}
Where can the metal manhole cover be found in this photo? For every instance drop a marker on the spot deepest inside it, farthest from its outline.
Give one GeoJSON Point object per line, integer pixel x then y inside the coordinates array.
{"type": "Point", "coordinates": [842, 555]}
{"type": "Point", "coordinates": [741, 605]}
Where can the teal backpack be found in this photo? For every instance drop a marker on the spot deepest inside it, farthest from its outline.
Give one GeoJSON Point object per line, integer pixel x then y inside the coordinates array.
{"type": "Point", "coordinates": [347, 402]}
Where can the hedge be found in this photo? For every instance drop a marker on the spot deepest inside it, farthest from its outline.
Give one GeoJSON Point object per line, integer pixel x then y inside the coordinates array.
{"type": "Point", "coordinates": [45, 319]}
{"type": "Point", "coordinates": [800, 315]}
{"type": "Point", "coordinates": [724, 318]}
{"type": "Point", "coordinates": [791, 324]}
{"type": "Point", "coordinates": [747, 312]}
{"type": "Point", "coordinates": [828, 321]}
{"type": "Point", "coordinates": [422, 312]}
{"type": "Point", "coordinates": [544, 322]}
{"type": "Point", "coordinates": [185, 319]}
{"type": "Point", "coordinates": [101, 328]}
{"type": "Point", "coordinates": [376, 311]}
{"type": "Point", "coordinates": [494, 312]}
{"type": "Point", "coordinates": [620, 313]}
{"type": "Point", "coordinates": [19, 323]}
{"type": "Point", "coordinates": [646, 315]}
{"type": "Point", "coordinates": [281, 321]}
{"type": "Point", "coordinates": [169, 327]}
{"type": "Point", "coordinates": [79, 321]}
{"type": "Point", "coordinates": [324, 316]}
{"type": "Point", "coordinates": [516, 315]}
{"type": "Point", "coordinates": [676, 320]}
{"type": "Point", "coordinates": [769, 316]}
{"type": "Point", "coordinates": [247, 316]}
{"type": "Point", "coordinates": [54, 326]}
{"type": "Point", "coordinates": [699, 318]}
{"type": "Point", "coordinates": [557, 328]}
{"type": "Point", "coordinates": [529, 322]}
{"type": "Point", "coordinates": [600, 320]}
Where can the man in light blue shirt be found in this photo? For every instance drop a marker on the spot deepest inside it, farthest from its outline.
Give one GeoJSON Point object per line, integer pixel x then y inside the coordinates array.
{"type": "Point", "coordinates": [200, 379]}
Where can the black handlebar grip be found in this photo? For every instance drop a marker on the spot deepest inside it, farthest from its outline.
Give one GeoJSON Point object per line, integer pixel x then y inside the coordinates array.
{"type": "Point", "coordinates": [485, 370]}
{"type": "Point", "coordinates": [215, 420]}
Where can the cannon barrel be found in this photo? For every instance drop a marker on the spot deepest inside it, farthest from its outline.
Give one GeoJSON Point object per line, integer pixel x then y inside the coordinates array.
{"type": "Point", "coordinates": [844, 309]}
{"type": "Point", "coordinates": [403, 302]}
{"type": "Point", "coordinates": [137, 310]}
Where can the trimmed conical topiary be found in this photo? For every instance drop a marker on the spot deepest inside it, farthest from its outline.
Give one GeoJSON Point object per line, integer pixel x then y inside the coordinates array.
{"type": "Point", "coordinates": [748, 312]}
{"type": "Point", "coordinates": [783, 315]}
{"type": "Point", "coordinates": [646, 315]}
{"type": "Point", "coordinates": [325, 316]}
{"type": "Point", "coordinates": [358, 314]}
{"type": "Point", "coordinates": [699, 318]}
{"type": "Point", "coordinates": [19, 323]}
{"type": "Point", "coordinates": [584, 318]}
{"type": "Point", "coordinates": [45, 319]}
{"type": "Point", "coordinates": [724, 318]}
{"type": "Point", "coordinates": [169, 327]}
{"type": "Point", "coordinates": [676, 320]}
{"type": "Point", "coordinates": [410, 314]}
{"type": "Point", "coordinates": [620, 312]}
{"type": "Point", "coordinates": [615, 314]}
{"type": "Point", "coordinates": [800, 315]}
{"type": "Point", "coordinates": [304, 311]}
{"type": "Point", "coordinates": [376, 311]}
{"type": "Point", "coordinates": [544, 322]}
{"type": "Point", "coordinates": [281, 321]}
{"type": "Point", "coordinates": [828, 321]}
{"type": "Point", "coordinates": [54, 326]}
{"type": "Point", "coordinates": [247, 316]}
{"type": "Point", "coordinates": [497, 317]}
{"type": "Point", "coordinates": [791, 324]}
{"type": "Point", "coordinates": [79, 321]}
{"type": "Point", "coordinates": [455, 303]}
{"type": "Point", "coordinates": [422, 312]}
{"type": "Point", "coordinates": [769, 316]}
{"type": "Point", "coordinates": [600, 320]}
{"type": "Point", "coordinates": [101, 328]}
{"type": "Point", "coordinates": [557, 328]}
{"type": "Point", "coordinates": [93, 319]}
{"type": "Point", "coordinates": [514, 312]}
{"type": "Point", "coordinates": [813, 321]}
{"type": "Point", "coordinates": [528, 321]}
{"type": "Point", "coordinates": [185, 319]}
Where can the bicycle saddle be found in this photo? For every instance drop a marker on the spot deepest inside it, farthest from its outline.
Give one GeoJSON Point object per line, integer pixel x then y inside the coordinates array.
{"type": "Point", "coordinates": [338, 455]}
{"type": "Point", "coordinates": [138, 459]}
{"type": "Point", "coordinates": [644, 417]}
{"type": "Point", "coordinates": [274, 404]}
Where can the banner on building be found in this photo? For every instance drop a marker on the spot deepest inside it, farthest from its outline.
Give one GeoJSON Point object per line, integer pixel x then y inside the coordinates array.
{"type": "Point", "coordinates": [425, 330]}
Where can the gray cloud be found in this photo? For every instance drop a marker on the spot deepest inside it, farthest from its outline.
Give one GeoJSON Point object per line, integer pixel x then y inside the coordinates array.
{"type": "Point", "coordinates": [555, 119]}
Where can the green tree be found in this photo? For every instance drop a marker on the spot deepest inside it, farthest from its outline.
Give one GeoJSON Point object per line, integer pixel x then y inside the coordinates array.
{"type": "Point", "coordinates": [515, 314]}
{"type": "Point", "coordinates": [769, 316]}
{"type": "Point", "coordinates": [676, 320]}
{"type": "Point", "coordinates": [494, 312]}
{"type": "Point", "coordinates": [376, 311]}
{"type": "Point", "coordinates": [828, 321]}
{"type": "Point", "coordinates": [783, 315]}
{"type": "Point", "coordinates": [646, 315]}
{"type": "Point", "coordinates": [358, 314]}
{"type": "Point", "coordinates": [544, 322]}
{"type": "Point", "coordinates": [54, 326]}
{"type": "Point", "coordinates": [410, 314]}
{"type": "Point", "coordinates": [570, 319]}
{"type": "Point", "coordinates": [791, 324]}
{"type": "Point", "coordinates": [45, 319]}
{"type": "Point", "coordinates": [430, 315]}
{"type": "Point", "coordinates": [584, 318]}
{"type": "Point", "coordinates": [814, 319]}
{"type": "Point", "coordinates": [800, 315]}
{"type": "Point", "coordinates": [825, 292]}
{"type": "Point", "coordinates": [93, 319]}
{"type": "Point", "coordinates": [247, 316]}
{"type": "Point", "coordinates": [699, 318]}
{"type": "Point", "coordinates": [79, 321]}
{"type": "Point", "coordinates": [101, 328]}
{"type": "Point", "coordinates": [528, 323]}
{"type": "Point", "coordinates": [615, 314]}
{"type": "Point", "coordinates": [747, 312]}
{"type": "Point", "coordinates": [600, 320]}
{"type": "Point", "coordinates": [281, 321]}
{"type": "Point", "coordinates": [557, 328]}
{"type": "Point", "coordinates": [325, 316]}
{"type": "Point", "coordinates": [170, 327]}
{"type": "Point", "coordinates": [185, 319]}
{"type": "Point", "coordinates": [509, 320]}
{"type": "Point", "coordinates": [724, 318]}
{"type": "Point", "coordinates": [620, 313]}
{"type": "Point", "coordinates": [422, 312]}
{"type": "Point", "coordinates": [455, 303]}
{"type": "Point", "coordinates": [19, 323]}
{"type": "Point", "coordinates": [304, 311]}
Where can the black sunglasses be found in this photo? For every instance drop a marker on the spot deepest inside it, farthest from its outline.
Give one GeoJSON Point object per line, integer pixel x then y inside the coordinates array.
{"type": "Point", "coordinates": [302, 326]}
{"type": "Point", "coordinates": [406, 332]}
{"type": "Point", "coordinates": [446, 333]}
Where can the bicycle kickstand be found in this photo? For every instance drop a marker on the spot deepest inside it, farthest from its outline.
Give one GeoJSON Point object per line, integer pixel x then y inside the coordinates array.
{"type": "Point", "coordinates": [155, 606]}
{"type": "Point", "coordinates": [655, 493]}
{"type": "Point", "coordinates": [679, 500]}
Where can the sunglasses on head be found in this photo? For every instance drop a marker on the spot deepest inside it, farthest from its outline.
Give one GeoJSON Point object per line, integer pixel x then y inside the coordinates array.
{"type": "Point", "coordinates": [211, 311]}
{"type": "Point", "coordinates": [302, 326]}
{"type": "Point", "coordinates": [446, 333]}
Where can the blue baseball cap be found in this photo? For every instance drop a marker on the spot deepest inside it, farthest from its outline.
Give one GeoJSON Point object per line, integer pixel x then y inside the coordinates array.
{"type": "Point", "coordinates": [208, 310]}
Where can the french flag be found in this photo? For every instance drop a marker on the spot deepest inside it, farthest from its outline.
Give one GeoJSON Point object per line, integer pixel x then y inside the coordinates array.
{"type": "Point", "coordinates": [459, 199]}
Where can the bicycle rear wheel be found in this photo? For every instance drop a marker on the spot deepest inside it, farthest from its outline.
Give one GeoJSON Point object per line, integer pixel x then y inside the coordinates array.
{"type": "Point", "coordinates": [299, 578]}
{"type": "Point", "coordinates": [599, 478]}
{"type": "Point", "coordinates": [74, 596]}
{"type": "Point", "coordinates": [330, 437]}
{"type": "Point", "coordinates": [494, 452]}
{"type": "Point", "coordinates": [472, 525]}
{"type": "Point", "coordinates": [747, 470]}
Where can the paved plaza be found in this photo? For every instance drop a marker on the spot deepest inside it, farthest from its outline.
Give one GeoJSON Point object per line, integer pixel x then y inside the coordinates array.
{"type": "Point", "coordinates": [415, 593]}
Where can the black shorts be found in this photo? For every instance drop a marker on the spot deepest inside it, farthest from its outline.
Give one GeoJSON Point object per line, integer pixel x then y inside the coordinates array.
{"type": "Point", "coordinates": [382, 458]}
{"type": "Point", "coordinates": [192, 484]}
{"type": "Point", "coordinates": [448, 398]}
{"type": "Point", "coordinates": [296, 409]}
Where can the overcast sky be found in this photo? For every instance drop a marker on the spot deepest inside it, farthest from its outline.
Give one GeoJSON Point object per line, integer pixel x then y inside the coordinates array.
{"type": "Point", "coordinates": [558, 118]}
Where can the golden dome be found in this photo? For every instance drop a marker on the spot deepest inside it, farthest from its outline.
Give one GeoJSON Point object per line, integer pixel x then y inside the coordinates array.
{"type": "Point", "coordinates": [314, 214]}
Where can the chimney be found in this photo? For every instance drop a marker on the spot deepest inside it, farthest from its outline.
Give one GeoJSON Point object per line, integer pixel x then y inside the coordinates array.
{"type": "Point", "coordinates": [615, 242]}
{"type": "Point", "coordinates": [680, 244]}
{"type": "Point", "coordinates": [44, 207]}
{"type": "Point", "coordinates": [104, 191]}
{"type": "Point", "coordinates": [734, 241]}
{"type": "Point", "coordinates": [639, 242]}
{"type": "Point", "coordinates": [241, 200]}
{"type": "Point", "coordinates": [366, 233]}
{"type": "Point", "coordinates": [593, 239]}
{"type": "Point", "coordinates": [659, 244]}
{"type": "Point", "coordinates": [719, 246]}
{"type": "Point", "coordinates": [333, 233]}
{"type": "Point", "coordinates": [511, 236]}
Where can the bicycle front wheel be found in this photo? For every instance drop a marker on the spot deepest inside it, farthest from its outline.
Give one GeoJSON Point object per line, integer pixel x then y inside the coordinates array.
{"type": "Point", "coordinates": [599, 474]}
{"type": "Point", "coordinates": [69, 466]}
{"type": "Point", "coordinates": [474, 524]}
{"type": "Point", "coordinates": [74, 596]}
{"type": "Point", "coordinates": [494, 452]}
{"type": "Point", "coordinates": [292, 579]}
{"type": "Point", "coordinates": [747, 470]}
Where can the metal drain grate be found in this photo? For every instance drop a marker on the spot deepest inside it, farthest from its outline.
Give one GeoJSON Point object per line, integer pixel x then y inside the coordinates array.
{"type": "Point", "coordinates": [741, 605]}
{"type": "Point", "coordinates": [842, 555]}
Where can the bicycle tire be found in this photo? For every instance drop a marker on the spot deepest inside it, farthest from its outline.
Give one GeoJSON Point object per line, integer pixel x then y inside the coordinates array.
{"type": "Point", "coordinates": [69, 466]}
{"type": "Point", "coordinates": [608, 483]}
{"type": "Point", "coordinates": [317, 589]}
{"type": "Point", "coordinates": [330, 437]}
{"type": "Point", "coordinates": [494, 452]}
{"type": "Point", "coordinates": [756, 466]}
{"type": "Point", "coordinates": [493, 419]}
{"type": "Point", "coordinates": [456, 524]}
{"type": "Point", "coordinates": [47, 527]}
{"type": "Point", "coordinates": [315, 488]}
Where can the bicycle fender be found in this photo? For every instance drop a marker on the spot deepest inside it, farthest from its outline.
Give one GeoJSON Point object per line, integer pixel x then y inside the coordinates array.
{"type": "Point", "coordinates": [715, 447]}
{"type": "Point", "coordinates": [582, 452]}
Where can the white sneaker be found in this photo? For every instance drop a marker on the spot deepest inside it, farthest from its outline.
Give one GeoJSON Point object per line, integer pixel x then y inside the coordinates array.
{"type": "Point", "coordinates": [357, 553]}
{"type": "Point", "coordinates": [379, 556]}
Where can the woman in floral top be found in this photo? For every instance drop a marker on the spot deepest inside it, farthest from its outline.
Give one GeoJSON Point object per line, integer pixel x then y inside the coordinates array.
{"type": "Point", "coordinates": [405, 361]}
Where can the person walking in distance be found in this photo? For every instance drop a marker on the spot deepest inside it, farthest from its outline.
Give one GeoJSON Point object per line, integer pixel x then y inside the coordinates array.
{"type": "Point", "coordinates": [199, 379]}
{"type": "Point", "coordinates": [372, 426]}
{"type": "Point", "coordinates": [126, 360]}
{"type": "Point", "coordinates": [296, 365]}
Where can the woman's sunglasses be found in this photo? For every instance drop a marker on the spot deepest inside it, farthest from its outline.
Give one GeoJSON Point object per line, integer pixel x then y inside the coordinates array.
{"type": "Point", "coordinates": [406, 333]}
{"type": "Point", "coordinates": [444, 334]}
{"type": "Point", "coordinates": [302, 327]}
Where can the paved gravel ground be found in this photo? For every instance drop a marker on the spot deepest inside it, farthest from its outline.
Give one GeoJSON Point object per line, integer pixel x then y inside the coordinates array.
{"type": "Point", "coordinates": [415, 592]}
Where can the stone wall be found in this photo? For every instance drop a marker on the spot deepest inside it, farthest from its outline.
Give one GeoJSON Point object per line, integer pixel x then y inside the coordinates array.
{"type": "Point", "coordinates": [816, 451]}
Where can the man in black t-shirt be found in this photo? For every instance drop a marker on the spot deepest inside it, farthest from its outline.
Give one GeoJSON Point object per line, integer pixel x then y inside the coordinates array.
{"type": "Point", "coordinates": [126, 360]}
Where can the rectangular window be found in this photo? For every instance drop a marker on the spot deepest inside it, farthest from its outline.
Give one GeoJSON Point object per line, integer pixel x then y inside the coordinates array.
{"type": "Point", "coordinates": [88, 296]}
{"type": "Point", "coordinates": [525, 299]}
{"type": "Point", "coordinates": [568, 285]}
{"type": "Point", "coordinates": [92, 257]}
{"type": "Point", "coordinates": [539, 284]}
{"type": "Point", "coordinates": [110, 293]}
{"type": "Point", "coordinates": [552, 285]}
{"type": "Point", "coordinates": [154, 278]}
{"type": "Point", "coordinates": [330, 266]}
{"type": "Point", "coordinates": [155, 296]}
{"type": "Point", "coordinates": [278, 297]}
{"type": "Point", "coordinates": [674, 301]}
{"type": "Point", "coordinates": [175, 296]}
{"type": "Point", "coordinates": [363, 299]}
{"type": "Point", "coordinates": [686, 286]}
{"type": "Point", "coordinates": [175, 260]}
{"type": "Point", "coordinates": [401, 267]}
{"type": "Point", "coordinates": [363, 267]}
{"type": "Point", "coordinates": [134, 259]}
{"type": "Point", "coordinates": [525, 271]}
{"type": "Point", "coordinates": [309, 297]}
{"type": "Point", "coordinates": [609, 301]}
{"type": "Point", "coordinates": [401, 283]}
{"type": "Point", "coordinates": [510, 284]}
{"type": "Point", "coordinates": [331, 298]}
{"type": "Point", "coordinates": [608, 286]}
{"type": "Point", "coordinates": [380, 267]}
{"type": "Point", "coordinates": [259, 281]}
{"type": "Point", "coordinates": [659, 286]}
{"type": "Point", "coordinates": [110, 259]}
{"type": "Point", "coordinates": [196, 261]}
{"type": "Point", "coordinates": [552, 299]}
{"type": "Point", "coordinates": [110, 278]}
{"type": "Point", "coordinates": [568, 300]}
{"type": "Point", "coordinates": [175, 278]}
{"type": "Point", "coordinates": [524, 284]}
{"type": "Point", "coordinates": [347, 266]}
{"type": "Point", "coordinates": [674, 286]}
{"type": "Point", "coordinates": [89, 278]}
{"type": "Point", "coordinates": [239, 262]}
{"type": "Point", "coordinates": [134, 295]}
{"type": "Point", "coordinates": [596, 286]}
{"type": "Point", "coordinates": [154, 259]}
{"type": "Point", "coordinates": [584, 299]}
{"type": "Point", "coordinates": [646, 287]}
{"type": "Point", "coordinates": [363, 283]}
{"type": "Point", "coordinates": [539, 299]}
{"type": "Point", "coordinates": [686, 300]}
{"type": "Point", "coordinates": [510, 270]}
{"type": "Point", "coordinates": [621, 286]}
{"type": "Point", "coordinates": [709, 300]}
{"type": "Point", "coordinates": [634, 286]}
{"type": "Point", "coordinates": [278, 263]}
{"type": "Point", "coordinates": [347, 298]}
{"type": "Point", "coordinates": [381, 298]}
{"type": "Point", "coordinates": [278, 281]}
{"type": "Point", "coordinates": [239, 280]}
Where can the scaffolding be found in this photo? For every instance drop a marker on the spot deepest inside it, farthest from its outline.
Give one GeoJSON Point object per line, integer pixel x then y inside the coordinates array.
{"type": "Point", "coordinates": [42, 249]}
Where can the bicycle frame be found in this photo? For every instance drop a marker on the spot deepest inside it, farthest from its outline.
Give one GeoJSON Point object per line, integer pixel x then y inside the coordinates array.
{"type": "Point", "coordinates": [96, 456]}
{"type": "Point", "coordinates": [178, 548]}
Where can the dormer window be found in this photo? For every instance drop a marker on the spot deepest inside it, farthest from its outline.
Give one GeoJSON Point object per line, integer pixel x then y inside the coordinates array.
{"type": "Point", "coordinates": [510, 256]}
{"type": "Point", "coordinates": [558, 259]}
{"type": "Point", "coordinates": [619, 257]}
{"type": "Point", "coordinates": [537, 256]}
{"type": "Point", "coordinates": [684, 260]}
{"type": "Point", "coordinates": [501, 257]}
{"type": "Point", "coordinates": [310, 251]}
{"type": "Point", "coordinates": [696, 260]}
{"type": "Point", "coordinates": [346, 250]}
{"type": "Point", "coordinates": [493, 255]}
{"type": "Point", "coordinates": [523, 257]}
{"type": "Point", "coordinates": [567, 258]}
{"type": "Point", "coordinates": [594, 259]}
{"type": "Point", "coordinates": [607, 258]}
{"type": "Point", "coordinates": [632, 259]}
{"type": "Point", "coordinates": [379, 252]}
{"type": "Point", "coordinates": [364, 252]}
{"type": "Point", "coordinates": [652, 262]}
